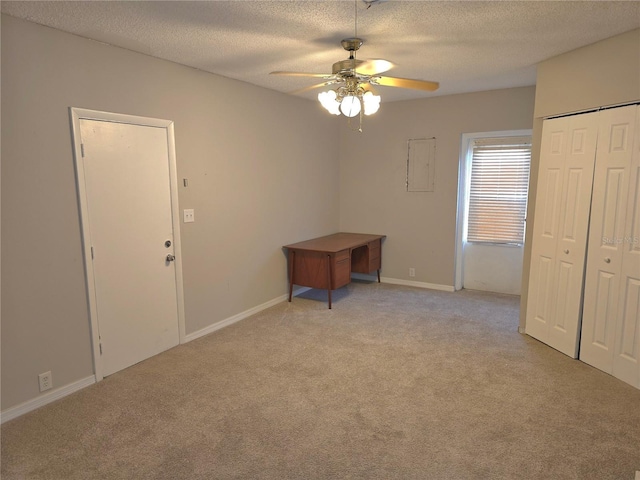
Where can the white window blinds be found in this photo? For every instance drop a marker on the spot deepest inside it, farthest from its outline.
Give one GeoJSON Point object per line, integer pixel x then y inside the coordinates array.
{"type": "Point", "coordinates": [498, 190]}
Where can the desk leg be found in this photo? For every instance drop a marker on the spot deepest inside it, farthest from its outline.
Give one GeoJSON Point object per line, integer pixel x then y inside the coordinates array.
{"type": "Point", "coordinates": [292, 259]}
{"type": "Point", "coordinates": [378, 275]}
{"type": "Point", "coordinates": [329, 279]}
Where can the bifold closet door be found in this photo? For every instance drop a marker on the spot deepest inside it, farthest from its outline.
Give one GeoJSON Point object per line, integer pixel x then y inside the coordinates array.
{"type": "Point", "coordinates": [611, 318]}
{"type": "Point", "coordinates": [560, 229]}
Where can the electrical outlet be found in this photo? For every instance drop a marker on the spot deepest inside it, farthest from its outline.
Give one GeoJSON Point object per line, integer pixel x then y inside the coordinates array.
{"type": "Point", "coordinates": [46, 381]}
{"type": "Point", "coordinates": [188, 215]}
{"type": "Point", "coordinates": [412, 272]}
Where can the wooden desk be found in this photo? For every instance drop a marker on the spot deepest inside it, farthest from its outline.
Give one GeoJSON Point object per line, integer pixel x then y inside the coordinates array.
{"type": "Point", "coordinates": [327, 262]}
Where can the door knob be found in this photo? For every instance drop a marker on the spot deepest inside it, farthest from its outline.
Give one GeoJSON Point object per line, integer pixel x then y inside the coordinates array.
{"type": "Point", "coordinates": [566, 251]}
{"type": "Point", "coordinates": [171, 258]}
{"type": "Point", "coordinates": [607, 260]}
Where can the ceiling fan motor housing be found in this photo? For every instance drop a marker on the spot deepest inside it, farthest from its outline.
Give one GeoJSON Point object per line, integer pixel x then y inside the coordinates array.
{"type": "Point", "coordinates": [351, 44]}
{"type": "Point", "coordinates": [346, 67]}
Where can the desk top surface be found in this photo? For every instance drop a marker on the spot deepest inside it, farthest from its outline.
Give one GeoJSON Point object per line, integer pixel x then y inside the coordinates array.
{"type": "Point", "coordinates": [336, 242]}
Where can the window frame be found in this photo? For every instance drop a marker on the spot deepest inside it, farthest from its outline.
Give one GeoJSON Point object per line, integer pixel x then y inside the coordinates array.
{"type": "Point", "coordinates": [463, 166]}
{"type": "Point", "coordinates": [472, 143]}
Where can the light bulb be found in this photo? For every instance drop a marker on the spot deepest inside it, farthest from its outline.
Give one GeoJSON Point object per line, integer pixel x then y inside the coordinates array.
{"type": "Point", "coordinates": [328, 101]}
{"type": "Point", "coordinates": [350, 106]}
{"type": "Point", "coordinates": [371, 103]}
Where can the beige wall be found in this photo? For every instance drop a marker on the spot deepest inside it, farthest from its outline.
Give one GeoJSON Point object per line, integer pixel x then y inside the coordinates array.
{"type": "Point", "coordinates": [420, 227]}
{"type": "Point", "coordinates": [275, 171]}
{"type": "Point", "coordinates": [602, 74]}
{"type": "Point", "coordinates": [261, 174]}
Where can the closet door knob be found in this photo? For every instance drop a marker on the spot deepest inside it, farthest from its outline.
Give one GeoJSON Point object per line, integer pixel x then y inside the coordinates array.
{"type": "Point", "coordinates": [566, 251]}
{"type": "Point", "coordinates": [607, 260]}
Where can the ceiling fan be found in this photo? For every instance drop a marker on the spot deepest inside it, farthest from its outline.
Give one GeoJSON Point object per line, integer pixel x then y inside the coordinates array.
{"type": "Point", "coordinates": [361, 72]}
{"type": "Point", "coordinates": [354, 78]}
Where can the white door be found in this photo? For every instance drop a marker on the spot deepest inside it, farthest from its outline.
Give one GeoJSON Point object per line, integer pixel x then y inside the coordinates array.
{"type": "Point", "coordinates": [560, 228]}
{"type": "Point", "coordinates": [129, 234]}
{"type": "Point", "coordinates": [626, 362]}
{"type": "Point", "coordinates": [611, 330]}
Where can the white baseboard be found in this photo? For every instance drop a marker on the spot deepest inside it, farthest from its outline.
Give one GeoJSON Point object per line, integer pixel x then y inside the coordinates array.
{"type": "Point", "coordinates": [53, 395]}
{"type": "Point", "coordinates": [411, 283]}
{"type": "Point", "coordinates": [240, 316]}
{"type": "Point", "coordinates": [252, 311]}
{"type": "Point", "coordinates": [45, 398]}
{"type": "Point", "coordinates": [58, 393]}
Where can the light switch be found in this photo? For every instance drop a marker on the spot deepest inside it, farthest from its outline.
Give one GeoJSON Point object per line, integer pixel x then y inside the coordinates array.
{"type": "Point", "coordinates": [188, 215]}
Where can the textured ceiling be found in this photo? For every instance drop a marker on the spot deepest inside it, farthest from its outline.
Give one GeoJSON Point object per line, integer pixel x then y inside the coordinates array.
{"type": "Point", "coordinates": [466, 46]}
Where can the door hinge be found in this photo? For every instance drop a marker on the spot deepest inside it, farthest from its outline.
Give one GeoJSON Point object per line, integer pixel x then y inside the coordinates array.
{"type": "Point", "coordinates": [92, 253]}
{"type": "Point", "coordinates": [82, 149]}
{"type": "Point", "coordinates": [100, 349]}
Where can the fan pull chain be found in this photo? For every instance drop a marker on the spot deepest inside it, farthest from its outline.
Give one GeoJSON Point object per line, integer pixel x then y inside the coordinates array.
{"type": "Point", "coordinates": [350, 123]}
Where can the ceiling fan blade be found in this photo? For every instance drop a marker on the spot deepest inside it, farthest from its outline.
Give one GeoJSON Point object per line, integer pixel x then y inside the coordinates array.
{"type": "Point", "coordinates": [312, 87]}
{"type": "Point", "coordinates": [374, 66]}
{"type": "Point", "coordinates": [405, 83]}
{"type": "Point", "coordinates": [303, 74]}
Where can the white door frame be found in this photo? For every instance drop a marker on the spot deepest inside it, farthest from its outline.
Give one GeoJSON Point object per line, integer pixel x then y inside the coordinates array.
{"type": "Point", "coordinates": [78, 114]}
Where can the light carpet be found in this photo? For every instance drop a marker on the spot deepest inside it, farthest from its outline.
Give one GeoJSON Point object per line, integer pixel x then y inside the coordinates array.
{"type": "Point", "coordinates": [392, 383]}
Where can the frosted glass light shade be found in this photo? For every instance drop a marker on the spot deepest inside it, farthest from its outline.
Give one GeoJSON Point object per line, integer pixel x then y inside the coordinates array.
{"type": "Point", "coordinates": [328, 101]}
{"type": "Point", "coordinates": [350, 106]}
{"type": "Point", "coordinates": [371, 103]}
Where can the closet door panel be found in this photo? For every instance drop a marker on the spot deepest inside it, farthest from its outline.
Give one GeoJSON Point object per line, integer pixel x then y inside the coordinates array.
{"type": "Point", "coordinates": [613, 208]}
{"type": "Point", "coordinates": [628, 339]}
{"type": "Point", "coordinates": [571, 246]}
{"type": "Point", "coordinates": [563, 305]}
{"type": "Point", "coordinates": [550, 208]}
{"type": "Point", "coordinates": [544, 269]}
{"type": "Point", "coordinates": [545, 228]}
{"type": "Point", "coordinates": [558, 251]}
{"type": "Point", "coordinates": [541, 302]}
{"type": "Point", "coordinates": [604, 262]}
{"type": "Point", "coordinates": [607, 229]}
{"type": "Point", "coordinates": [572, 230]}
{"type": "Point", "coordinates": [627, 344]}
{"type": "Point", "coordinates": [603, 295]}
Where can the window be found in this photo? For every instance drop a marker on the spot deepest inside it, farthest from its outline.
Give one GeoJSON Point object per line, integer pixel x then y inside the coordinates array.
{"type": "Point", "coordinates": [497, 191]}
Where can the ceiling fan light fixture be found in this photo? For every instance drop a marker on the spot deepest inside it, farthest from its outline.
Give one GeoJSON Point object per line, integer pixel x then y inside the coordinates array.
{"type": "Point", "coordinates": [353, 76]}
{"type": "Point", "coordinates": [329, 102]}
{"type": "Point", "coordinates": [371, 102]}
{"type": "Point", "coordinates": [350, 106]}
{"type": "Point", "coordinates": [350, 101]}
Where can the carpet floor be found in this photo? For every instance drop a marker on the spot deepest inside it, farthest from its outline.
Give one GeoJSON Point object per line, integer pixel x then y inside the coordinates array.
{"type": "Point", "coordinates": [392, 383]}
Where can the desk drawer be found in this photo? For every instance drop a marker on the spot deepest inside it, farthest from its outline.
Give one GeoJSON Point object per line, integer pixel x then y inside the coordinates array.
{"type": "Point", "coordinates": [342, 254]}
{"type": "Point", "coordinates": [374, 255]}
{"type": "Point", "coordinates": [341, 272]}
{"type": "Point", "coordinates": [374, 249]}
